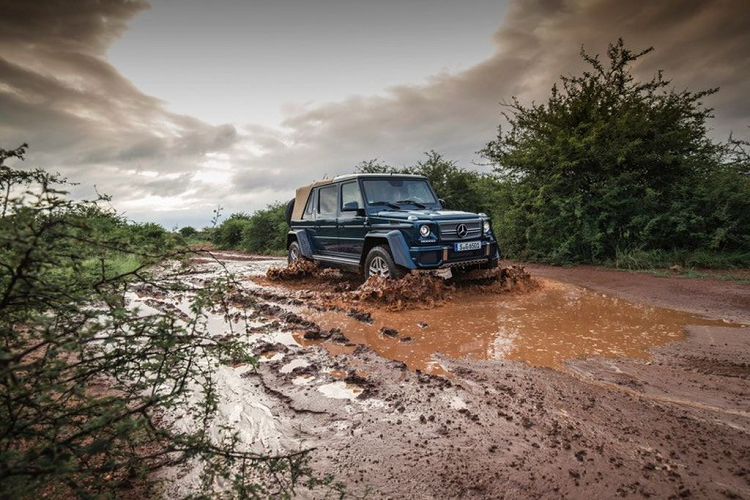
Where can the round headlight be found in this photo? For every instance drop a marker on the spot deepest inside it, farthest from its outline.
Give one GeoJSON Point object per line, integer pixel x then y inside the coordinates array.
{"type": "Point", "coordinates": [486, 226]}
{"type": "Point", "coordinates": [424, 230]}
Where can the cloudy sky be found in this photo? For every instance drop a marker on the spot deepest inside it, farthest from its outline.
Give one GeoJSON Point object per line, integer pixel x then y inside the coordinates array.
{"type": "Point", "coordinates": [177, 106]}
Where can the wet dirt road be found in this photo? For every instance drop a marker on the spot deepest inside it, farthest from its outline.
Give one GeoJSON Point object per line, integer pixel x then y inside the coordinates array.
{"type": "Point", "coordinates": [558, 392]}
{"type": "Point", "coordinates": [554, 324]}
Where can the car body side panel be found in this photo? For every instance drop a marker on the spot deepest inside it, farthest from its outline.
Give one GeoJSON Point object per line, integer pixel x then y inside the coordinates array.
{"type": "Point", "coordinates": [399, 249]}
{"type": "Point", "coordinates": [352, 232]}
{"type": "Point", "coordinates": [397, 243]}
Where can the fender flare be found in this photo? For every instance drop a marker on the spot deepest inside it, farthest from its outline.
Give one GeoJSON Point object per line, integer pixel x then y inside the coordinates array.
{"type": "Point", "coordinates": [399, 247]}
{"type": "Point", "coordinates": [303, 239]}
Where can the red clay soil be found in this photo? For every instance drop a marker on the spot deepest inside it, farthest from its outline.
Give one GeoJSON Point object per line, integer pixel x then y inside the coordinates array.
{"type": "Point", "coordinates": [715, 298]}
{"type": "Point", "coordinates": [675, 425]}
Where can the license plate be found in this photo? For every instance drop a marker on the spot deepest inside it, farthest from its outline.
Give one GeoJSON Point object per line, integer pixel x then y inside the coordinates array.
{"type": "Point", "coordinates": [468, 245]}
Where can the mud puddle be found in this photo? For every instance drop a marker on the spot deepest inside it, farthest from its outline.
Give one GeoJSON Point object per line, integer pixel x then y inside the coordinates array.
{"type": "Point", "coordinates": [546, 327]}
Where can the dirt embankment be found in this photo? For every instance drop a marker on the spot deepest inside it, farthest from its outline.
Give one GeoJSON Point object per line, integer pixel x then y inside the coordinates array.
{"type": "Point", "coordinates": [710, 297]}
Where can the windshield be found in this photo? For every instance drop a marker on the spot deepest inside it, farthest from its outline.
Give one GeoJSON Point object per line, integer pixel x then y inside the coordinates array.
{"type": "Point", "coordinates": [395, 193]}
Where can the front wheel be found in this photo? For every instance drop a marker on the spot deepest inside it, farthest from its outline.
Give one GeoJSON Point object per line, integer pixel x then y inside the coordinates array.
{"type": "Point", "coordinates": [380, 263]}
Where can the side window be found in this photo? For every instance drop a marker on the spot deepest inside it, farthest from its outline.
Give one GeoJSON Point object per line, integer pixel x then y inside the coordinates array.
{"type": "Point", "coordinates": [327, 201]}
{"type": "Point", "coordinates": [310, 208]}
{"type": "Point", "coordinates": [350, 197]}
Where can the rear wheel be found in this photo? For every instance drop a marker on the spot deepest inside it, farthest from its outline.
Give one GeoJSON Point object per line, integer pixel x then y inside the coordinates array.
{"type": "Point", "coordinates": [380, 263]}
{"type": "Point", "coordinates": [294, 253]}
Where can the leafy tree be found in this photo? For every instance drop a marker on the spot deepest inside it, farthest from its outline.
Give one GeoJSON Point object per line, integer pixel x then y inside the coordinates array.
{"type": "Point", "coordinates": [188, 231]}
{"type": "Point", "coordinates": [266, 230]}
{"type": "Point", "coordinates": [611, 165]}
{"type": "Point", "coordinates": [229, 233]}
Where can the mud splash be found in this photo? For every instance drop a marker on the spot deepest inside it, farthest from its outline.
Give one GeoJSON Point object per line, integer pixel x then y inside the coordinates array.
{"type": "Point", "coordinates": [556, 323]}
{"type": "Point", "coordinates": [300, 268]}
{"type": "Point", "coordinates": [412, 291]}
{"type": "Point", "coordinates": [417, 290]}
{"type": "Point", "coordinates": [498, 280]}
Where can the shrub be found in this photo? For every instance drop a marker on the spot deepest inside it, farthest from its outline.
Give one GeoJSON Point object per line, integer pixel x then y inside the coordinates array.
{"type": "Point", "coordinates": [266, 231]}
{"type": "Point", "coordinates": [188, 231]}
{"type": "Point", "coordinates": [66, 271]}
{"type": "Point", "coordinates": [229, 234]}
{"type": "Point", "coordinates": [611, 165]}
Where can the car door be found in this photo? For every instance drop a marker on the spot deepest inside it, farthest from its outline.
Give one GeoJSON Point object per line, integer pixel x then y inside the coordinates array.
{"type": "Point", "coordinates": [325, 222]}
{"type": "Point", "coordinates": [308, 221]}
{"type": "Point", "coordinates": [351, 220]}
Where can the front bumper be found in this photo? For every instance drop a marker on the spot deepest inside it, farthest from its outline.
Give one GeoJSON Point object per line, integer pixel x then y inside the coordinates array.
{"type": "Point", "coordinates": [444, 256]}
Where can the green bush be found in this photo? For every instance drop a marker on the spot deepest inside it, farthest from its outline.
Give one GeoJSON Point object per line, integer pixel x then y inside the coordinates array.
{"type": "Point", "coordinates": [611, 166]}
{"type": "Point", "coordinates": [262, 232]}
{"type": "Point", "coordinates": [229, 234]}
{"type": "Point", "coordinates": [266, 231]}
{"type": "Point", "coordinates": [188, 231]}
{"type": "Point", "coordinates": [85, 379]}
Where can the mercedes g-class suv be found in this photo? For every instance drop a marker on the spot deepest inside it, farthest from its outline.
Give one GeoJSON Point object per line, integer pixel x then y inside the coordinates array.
{"type": "Point", "coordinates": [387, 225]}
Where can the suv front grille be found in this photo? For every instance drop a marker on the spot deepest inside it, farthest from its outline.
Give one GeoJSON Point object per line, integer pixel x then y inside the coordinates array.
{"type": "Point", "coordinates": [448, 229]}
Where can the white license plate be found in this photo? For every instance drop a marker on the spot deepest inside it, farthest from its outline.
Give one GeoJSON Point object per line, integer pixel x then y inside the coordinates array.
{"type": "Point", "coordinates": [468, 245]}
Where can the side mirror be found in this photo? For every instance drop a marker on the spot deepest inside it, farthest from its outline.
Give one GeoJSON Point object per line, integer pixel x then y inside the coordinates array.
{"type": "Point", "coordinates": [442, 202]}
{"type": "Point", "coordinates": [353, 206]}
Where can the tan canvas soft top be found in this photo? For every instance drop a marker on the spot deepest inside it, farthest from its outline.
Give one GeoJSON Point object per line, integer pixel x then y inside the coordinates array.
{"type": "Point", "coordinates": [300, 201]}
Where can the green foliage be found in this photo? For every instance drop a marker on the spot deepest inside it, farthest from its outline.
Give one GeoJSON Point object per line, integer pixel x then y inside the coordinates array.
{"type": "Point", "coordinates": [85, 379]}
{"type": "Point", "coordinates": [188, 231]}
{"type": "Point", "coordinates": [262, 232]}
{"type": "Point", "coordinates": [266, 231]}
{"type": "Point", "coordinates": [610, 165]}
{"type": "Point", "coordinates": [229, 233]}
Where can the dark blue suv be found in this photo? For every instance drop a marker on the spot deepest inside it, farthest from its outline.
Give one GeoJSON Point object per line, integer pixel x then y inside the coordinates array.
{"type": "Point", "coordinates": [387, 225]}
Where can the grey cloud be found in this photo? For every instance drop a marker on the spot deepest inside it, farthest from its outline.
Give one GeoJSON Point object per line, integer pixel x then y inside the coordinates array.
{"type": "Point", "coordinates": [83, 26]}
{"type": "Point", "coordinates": [79, 115]}
{"type": "Point", "coordinates": [699, 44]}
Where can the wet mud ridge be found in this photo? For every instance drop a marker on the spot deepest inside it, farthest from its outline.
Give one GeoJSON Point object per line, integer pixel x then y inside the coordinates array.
{"type": "Point", "coordinates": [533, 389]}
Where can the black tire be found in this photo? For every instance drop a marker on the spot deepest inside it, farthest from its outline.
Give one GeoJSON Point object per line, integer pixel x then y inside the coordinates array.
{"type": "Point", "coordinates": [492, 264]}
{"type": "Point", "coordinates": [379, 259]}
{"type": "Point", "coordinates": [294, 253]}
{"type": "Point", "coordinates": [288, 212]}
{"type": "Point", "coordinates": [459, 271]}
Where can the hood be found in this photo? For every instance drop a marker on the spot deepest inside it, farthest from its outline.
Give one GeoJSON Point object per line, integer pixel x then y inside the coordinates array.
{"type": "Point", "coordinates": [426, 215]}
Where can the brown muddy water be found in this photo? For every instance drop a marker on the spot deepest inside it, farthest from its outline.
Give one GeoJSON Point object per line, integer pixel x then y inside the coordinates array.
{"type": "Point", "coordinates": [544, 327]}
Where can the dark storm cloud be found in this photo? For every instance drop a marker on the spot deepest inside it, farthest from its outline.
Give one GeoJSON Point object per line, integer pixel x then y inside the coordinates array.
{"type": "Point", "coordinates": [80, 26]}
{"type": "Point", "coordinates": [59, 93]}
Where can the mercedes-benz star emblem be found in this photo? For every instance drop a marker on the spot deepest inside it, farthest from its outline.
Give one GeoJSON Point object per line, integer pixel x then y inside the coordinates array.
{"type": "Point", "coordinates": [462, 230]}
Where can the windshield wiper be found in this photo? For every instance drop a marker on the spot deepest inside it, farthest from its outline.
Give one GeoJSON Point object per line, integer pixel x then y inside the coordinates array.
{"type": "Point", "coordinates": [410, 202]}
{"type": "Point", "coordinates": [385, 203]}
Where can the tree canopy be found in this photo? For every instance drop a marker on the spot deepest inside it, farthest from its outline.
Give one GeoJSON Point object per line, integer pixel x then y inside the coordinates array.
{"type": "Point", "coordinates": [611, 165]}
